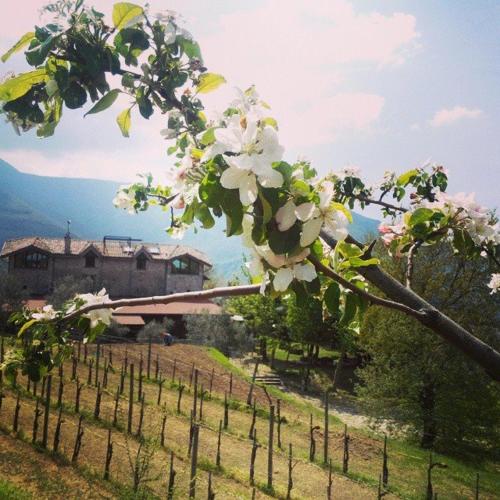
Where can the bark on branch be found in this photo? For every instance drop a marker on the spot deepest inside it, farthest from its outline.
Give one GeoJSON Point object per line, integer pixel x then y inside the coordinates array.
{"type": "Point", "coordinates": [429, 316]}
{"type": "Point", "coordinates": [228, 291]}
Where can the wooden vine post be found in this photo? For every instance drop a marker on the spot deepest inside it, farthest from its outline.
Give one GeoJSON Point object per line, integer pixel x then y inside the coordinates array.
{"type": "Point", "coordinates": [254, 417]}
{"type": "Point", "coordinates": [325, 441]}
{"type": "Point", "coordinates": [97, 359]}
{"type": "Point", "coordinates": [160, 388]}
{"type": "Point", "coordinates": [312, 439]}
{"type": "Point", "coordinates": [117, 403]}
{"type": "Point", "coordinates": [141, 416]}
{"type": "Point", "coordinates": [162, 434]}
{"type": "Point", "coordinates": [57, 432]}
{"type": "Point", "coordinates": [219, 437]}
{"type": "Point", "coordinates": [98, 396]}
{"type": "Point", "coordinates": [45, 435]}
{"type": "Point", "coordinates": [194, 462]}
{"type": "Point", "coordinates": [179, 398]}
{"type": "Point", "coordinates": [250, 390]}
{"type": "Point", "coordinates": [270, 443]}
{"type": "Point", "coordinates": [329, 488]}
{"type": "Point", "coordinates": [385, 470]}
{"type": "Point", "coordinates": [291, 466]}
{"type": "Point", "coordinates": [171, 478]}
{"type": "Point", "coordinates": [139, 384]}
{"type": "Point", "coordinates": [278, 426]}
{"type": "Point", "coordinates": [230, 384]}
{"type": "Point", "coordinates": [430, 495]}
{"type": "Point", "coordinates": [130, 399]}
{"type": "Point", "coordinates": [191, 374]}
{"type": "Point", "coordinates": [109, 456]}
{"type": "Point", "coordinates": [157, 366]}
{"type": "Point", "coordinates": [345, 459]}
{"type": "Point", "coordinates": [226, 411]}
{"type": "Point", "coordinates": [89, 377]}
{"type": "Point", "coordinates": [17, 409]}
{"type": "Point", "coordinates": [2, 355]}
{"type": "Point", "coordinates": [210, 492]}
{"type": "Point", "coordinates": [148, 364]}
{"type": "Point", "coordinates": [122, 380]}
{"type": "Point", "coordinates": [38, 413]}
{"type": "Point", "coordinates": [78, 393]}
{"type": "Point", "coordinates": [78, 440]}
{"type": "Point", "coordinates": [195, 393]}
{"type": "Point", "coordinates": [253, 456]}
{"type": "Point", "coordinates": [74, 366]}
{"type": "Point", "coordinates": [203, 393]}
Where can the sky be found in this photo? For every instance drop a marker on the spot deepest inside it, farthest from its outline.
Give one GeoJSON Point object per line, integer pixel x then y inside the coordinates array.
{"type": "Point", "coordinates": [379, 84]}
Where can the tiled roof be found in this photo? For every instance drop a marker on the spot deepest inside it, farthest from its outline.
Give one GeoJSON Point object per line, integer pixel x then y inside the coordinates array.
{"type": "Point", "coordinates": [112, 248]}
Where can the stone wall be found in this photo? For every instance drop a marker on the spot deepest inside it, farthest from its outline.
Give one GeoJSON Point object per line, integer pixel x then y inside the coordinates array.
{"type": "Point", "coordinates": [119, 276]}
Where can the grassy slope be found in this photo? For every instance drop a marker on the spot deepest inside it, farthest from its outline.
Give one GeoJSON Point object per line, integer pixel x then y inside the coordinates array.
{"type": "Point", "coordinates": [406, 463]}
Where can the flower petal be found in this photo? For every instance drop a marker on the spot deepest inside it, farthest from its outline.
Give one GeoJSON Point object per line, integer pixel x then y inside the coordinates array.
{"type": "Point", "coordinates": [304, 272]}
{"type": "Point", "coordinates": [248, 189]}
{"type": "Point", "coordinates": [310, 231]}
{"type": "Point", "coordinates": [232, 177]}
{"type": "Point", "coordinates": [282, 279]}
{"type": "Point", "coordinates": [285, 216]}
{"type": "Point", "coordinates": [306, 211]}
{"type": "Point", "coordinates": [271, 178]}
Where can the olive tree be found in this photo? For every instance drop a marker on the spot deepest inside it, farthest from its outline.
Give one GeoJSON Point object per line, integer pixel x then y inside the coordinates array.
{"type": "Point", "coordinates": [231, 165]}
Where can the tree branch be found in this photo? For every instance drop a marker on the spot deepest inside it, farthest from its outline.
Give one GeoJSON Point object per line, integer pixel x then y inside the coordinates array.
{"type": "Point", "coordinates": [371, 201]}
{"type": "Point", "coordinates": [445, 327]}
{"type": "Point", "coordinates": [229, 291]}
{"type": "Point", "coordinates": [372, 299]}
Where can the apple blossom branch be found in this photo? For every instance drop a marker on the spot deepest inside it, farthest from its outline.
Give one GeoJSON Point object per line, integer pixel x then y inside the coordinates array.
{"type": "Point", "coordinates": [372, 299]}
{"type": "Point", "coordinates": [230, 291]}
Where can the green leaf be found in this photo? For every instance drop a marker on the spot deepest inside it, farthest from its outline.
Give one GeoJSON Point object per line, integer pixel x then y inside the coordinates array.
{"type": "Point", "coordinates": [358, 262]}
{"type": "Point", "coordinates": [124, 122]}
{"type": "Point", "coordinates": [405, 178]}
{"type": "Point", "coordinates": [190, 48]}
{"type": "Point", "coordinates": [420, 216]}
{"type": "Point", "coordinates": [332, 298]}
{"type": "Point", "coordinates": [104, 102]}
{"type": "Point", "coordinates": [26, 326]}
{"type": "Point", "coordinates": [16, 87]}
{"type": "Point", "coordinates": [282, 242]}
{"type": "Point", "coordinates": [349, 250]}
{"type": "Point", "coordinates": [124, 13]}
{"type": "Point", "coordinates": [267, 209]}
{"type": "Point", "coordinates": [204, 216]}
{"type": "Point", "coordinates": [209, 82]}
{"type": "Point", "coordinates": [23, 41]}
{"type": "Point", "coordinates": [208, 137]}
{"type": "Point", "coordinates": [349, 309]}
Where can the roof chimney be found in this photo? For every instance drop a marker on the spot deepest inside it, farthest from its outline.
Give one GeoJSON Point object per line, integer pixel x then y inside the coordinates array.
{"type": "Point", "coordinates": [67, 240]}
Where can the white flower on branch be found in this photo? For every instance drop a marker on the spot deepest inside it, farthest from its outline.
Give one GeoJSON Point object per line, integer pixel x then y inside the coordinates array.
{"type": "Point", "coordinates": [125, 199]}
{"type": "Point", "coordinates": [285, 275]}
{"type": "Point", "coordinates": [494, 283]}
{"type": "Point", "coordinates": [327, 214]}
{"type": "Point", "coordinates": [96, 316]}
{"type": "Point", "coordinates": [47, 313]}
{"type": "Point", "coordinates": [249, 149]}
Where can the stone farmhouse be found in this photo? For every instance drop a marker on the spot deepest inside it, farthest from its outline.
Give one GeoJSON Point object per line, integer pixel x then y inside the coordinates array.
{"type": "Point", "coordinates": [124, 266]}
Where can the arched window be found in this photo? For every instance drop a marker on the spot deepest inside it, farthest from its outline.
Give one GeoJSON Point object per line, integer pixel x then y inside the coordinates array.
{"type": "Point", "coordinates": [31, 260]}
{"type": "Point", "coordinates": [185, 265]}
{"type": "Point", "coordinates": [141, 262]}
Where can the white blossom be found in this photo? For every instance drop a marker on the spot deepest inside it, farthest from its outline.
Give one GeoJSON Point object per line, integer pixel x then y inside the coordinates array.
{"type": "Point", "coordinates": [47, 313]}
{"type": "Point", "coordinates": [494, 283]}
{"type": "Point", "coordinates": [96, 316]}
{"type": "Point", "coordinates": [325, 214]}
{"type": "Point", "coordinates": [285, 275]}
{"type": "Point", "coordinates": [125, 199]}
{"type": "Point", "coordinates": [177, 232]}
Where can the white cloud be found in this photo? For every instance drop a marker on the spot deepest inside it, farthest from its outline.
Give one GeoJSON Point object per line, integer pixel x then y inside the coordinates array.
{"type": "Point", "coordinates": [300, 56]}
{"type": "Point", "coordinates": [449, 116]}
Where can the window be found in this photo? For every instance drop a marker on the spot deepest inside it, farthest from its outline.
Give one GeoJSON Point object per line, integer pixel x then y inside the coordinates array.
{"type": "Point", "coordinates": [185, 265]}
{"type": "Point", "coordinates": [141, 262]}
{"type": "Point", "coordinates": [31, 260]}
{"type": "Point", "coordinates": [90, 260]}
